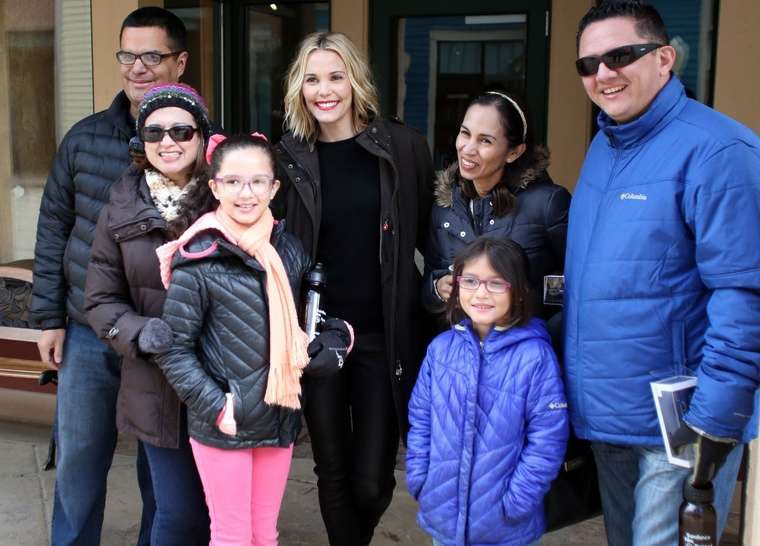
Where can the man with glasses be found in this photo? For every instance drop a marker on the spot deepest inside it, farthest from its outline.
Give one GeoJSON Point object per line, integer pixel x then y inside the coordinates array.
{"type": "Point", "coordinates": [92, 155]}
{"type": "Point", "coordinates": [662, 276]}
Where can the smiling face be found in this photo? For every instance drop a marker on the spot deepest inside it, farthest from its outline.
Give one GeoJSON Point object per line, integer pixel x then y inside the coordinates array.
{"type": "Point", "coordinates": [246, 207]}
{"type": "Point", "coordinates": [484, 308]}
{"type": "Point", "coordinates": [482, 147]}
{"type": "Point", "coordinates": [327, 94]}
{"type": "Point", "coordinates": [175, 160]}
{"type": "Point", "coordinates": [625, 93]}
{"type": "Point", "coordinates": [137, 78]}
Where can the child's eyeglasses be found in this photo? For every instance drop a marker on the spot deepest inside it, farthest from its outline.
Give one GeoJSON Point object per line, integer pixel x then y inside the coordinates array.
{"type": "Point", "coordinates": [233, 184]}
{"type": "Point", "coordinates": [494, 286]}
{"type": "Point", "coordinates": [614, 59]}
{"type": "Point", "coordinates": [178, 133]}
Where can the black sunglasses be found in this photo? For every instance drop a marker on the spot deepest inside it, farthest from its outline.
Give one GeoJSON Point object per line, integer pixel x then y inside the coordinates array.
{"type": "Point", "coordinates": [615, 58]}
{"type": "Point", "coordinates": [178, 133]}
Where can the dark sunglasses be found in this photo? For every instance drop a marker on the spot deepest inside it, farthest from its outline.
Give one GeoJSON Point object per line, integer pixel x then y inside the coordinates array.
{"type": "Point", "coordinates": [615, 58]}
{"type": "Point", "coordinates": [178, 133]}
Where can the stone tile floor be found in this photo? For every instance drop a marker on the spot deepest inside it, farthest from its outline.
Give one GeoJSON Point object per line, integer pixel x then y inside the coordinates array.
{"type": "Point", "coordinates": [26, 493]}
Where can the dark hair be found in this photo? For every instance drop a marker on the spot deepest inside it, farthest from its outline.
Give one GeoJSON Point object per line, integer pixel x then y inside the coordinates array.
{"type": "Point", "coordinates": [509, 260]}
{"type": "Point", "coordinates": [534, 160]}
{"type": "Point", "coordinates": [237, 142]}
{"type": "Point", "coordinates": [152, 16]}
{"type": "Point", "coordinates": [649, 24]}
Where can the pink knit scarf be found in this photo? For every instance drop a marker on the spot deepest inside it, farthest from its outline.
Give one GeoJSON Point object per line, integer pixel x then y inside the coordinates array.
{"type": "Point", "coordinates": [287, 341]}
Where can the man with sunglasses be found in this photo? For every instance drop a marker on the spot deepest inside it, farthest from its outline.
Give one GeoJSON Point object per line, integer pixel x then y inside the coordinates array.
{"type": "Point", "coordinates": [662, 276]}
{"type": "Point", "coordinates": [92, 155]}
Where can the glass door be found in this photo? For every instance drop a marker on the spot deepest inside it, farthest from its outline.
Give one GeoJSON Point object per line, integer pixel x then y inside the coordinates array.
{"type": "Point", "coordinates": [430, 59]}
{"type": "Point", "coordinates": [260, 39]}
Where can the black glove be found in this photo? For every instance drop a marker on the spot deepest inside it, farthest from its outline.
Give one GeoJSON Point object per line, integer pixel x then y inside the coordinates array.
{"type": "Point", "coordinates": [328, 351]}
{"type": "Point", "coordinates": [710, 456]}
{"type": "Point", "coordinates": [155, 337]}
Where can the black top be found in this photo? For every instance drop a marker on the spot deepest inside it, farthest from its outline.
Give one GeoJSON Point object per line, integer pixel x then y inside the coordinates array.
{"type": "Point", "coordinates": [349, 234]}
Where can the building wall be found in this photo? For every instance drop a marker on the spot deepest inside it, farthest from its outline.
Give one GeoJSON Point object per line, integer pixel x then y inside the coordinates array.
{"type": "Point", "coordinates": [569, 110]}
{"type": "Point", "coordinates": [107, 17]}
{"type": "Point", "coordinates": [736, 84]}
{"type": "Point", "coordinates": [352, 18]}
{"type": "Point", "coordinates": [736, 76]}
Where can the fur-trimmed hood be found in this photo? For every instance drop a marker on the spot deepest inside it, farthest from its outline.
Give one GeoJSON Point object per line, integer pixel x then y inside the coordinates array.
{"type": "Point", "coordinates": [445, 179]}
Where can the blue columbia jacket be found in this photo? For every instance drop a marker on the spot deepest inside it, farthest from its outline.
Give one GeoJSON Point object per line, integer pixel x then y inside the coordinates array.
{"type": "Point", "coordinates": [488, 434]}
{"type": "Point", "coordinates": [663, 272]}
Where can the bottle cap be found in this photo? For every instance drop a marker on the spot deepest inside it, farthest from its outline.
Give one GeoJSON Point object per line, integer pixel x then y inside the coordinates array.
{"type": "Point", "coordinates": [316, 277]}
{"type": "Point", "coordinates": [701, 495]}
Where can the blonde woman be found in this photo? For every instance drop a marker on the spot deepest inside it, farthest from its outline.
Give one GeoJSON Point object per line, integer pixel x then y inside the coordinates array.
{"type": "Point", "coordinates": [356, 189]}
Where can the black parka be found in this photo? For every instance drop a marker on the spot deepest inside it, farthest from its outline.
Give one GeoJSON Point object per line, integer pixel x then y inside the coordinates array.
{"type": "Point", "coordinates": [123, 291]}
{"type": "Point", "coordinates": [406, 180]}
{"type": "Point", "coordinates": [91, 157]}
{"type": "Point", "coordinates": [538, 223]}
{"type": "Point", "coordinates": [217, 308]}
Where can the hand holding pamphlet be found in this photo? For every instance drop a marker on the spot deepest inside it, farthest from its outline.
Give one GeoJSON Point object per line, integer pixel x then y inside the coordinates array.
{"type": "Point", "coordinates": [671, 398]}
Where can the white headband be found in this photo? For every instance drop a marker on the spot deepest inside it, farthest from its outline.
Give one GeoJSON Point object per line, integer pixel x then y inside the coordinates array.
{"type": "Point", "coordinates": [519, 111]}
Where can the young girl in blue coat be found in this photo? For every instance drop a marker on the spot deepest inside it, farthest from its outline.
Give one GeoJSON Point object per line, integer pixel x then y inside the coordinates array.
{"type": "Point", "coordinates": [488, 413]}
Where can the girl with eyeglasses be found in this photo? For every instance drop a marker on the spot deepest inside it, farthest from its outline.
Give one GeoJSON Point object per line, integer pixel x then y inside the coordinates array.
{"type": "Point", "coordinates": [155, 200]}
{"type": "Point", "coordinates": [230, 343]}
{"type": "Point", "coordinates": [488, 414]}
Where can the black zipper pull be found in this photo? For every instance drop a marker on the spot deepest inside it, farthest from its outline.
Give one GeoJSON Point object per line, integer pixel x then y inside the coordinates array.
{"type": "Point", "coordinates": [399, 369]}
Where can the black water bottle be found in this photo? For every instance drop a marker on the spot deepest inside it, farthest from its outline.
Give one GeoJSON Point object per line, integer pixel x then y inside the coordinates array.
{"type": "Point", "coordinates": [315, 284]}
{"type": "Point", "coordinates": [697, 520]}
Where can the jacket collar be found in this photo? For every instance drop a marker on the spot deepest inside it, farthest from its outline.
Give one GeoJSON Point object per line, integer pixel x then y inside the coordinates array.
{"type": "Point", "coordinates": [664, 108]}
{"type": "Point", "coordinates": [118, 114]}
{"type": "Point", "coordinates": [499, 338]}
{"type": "Point", "coordinates": [447, 180]}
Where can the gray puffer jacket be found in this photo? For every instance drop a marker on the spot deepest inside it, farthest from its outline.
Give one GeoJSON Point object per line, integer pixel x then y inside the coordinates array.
{"type": "Point", "coordinates": [217, 308]}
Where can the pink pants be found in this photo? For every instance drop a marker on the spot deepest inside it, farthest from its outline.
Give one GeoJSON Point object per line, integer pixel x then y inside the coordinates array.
{"type": "Point", "coordinates": [244, 490]}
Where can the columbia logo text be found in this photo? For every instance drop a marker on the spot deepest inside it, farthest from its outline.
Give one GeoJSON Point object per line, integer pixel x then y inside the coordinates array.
{"type": "Point", "coordinates": [558, 405]}
{"type": "Point", "coordinates": [627, 196]}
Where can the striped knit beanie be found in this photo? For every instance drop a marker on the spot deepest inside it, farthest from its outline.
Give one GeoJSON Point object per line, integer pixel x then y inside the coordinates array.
{"type": "Point", "coordinates": [174, 94]}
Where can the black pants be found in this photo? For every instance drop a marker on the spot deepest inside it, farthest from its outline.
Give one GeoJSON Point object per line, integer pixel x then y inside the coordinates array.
{"type": "Point", "coordinates": [354, 437]}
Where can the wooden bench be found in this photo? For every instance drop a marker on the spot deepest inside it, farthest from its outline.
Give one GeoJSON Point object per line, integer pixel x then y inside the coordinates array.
{"type": "Point", "coordinates": [19, 357]}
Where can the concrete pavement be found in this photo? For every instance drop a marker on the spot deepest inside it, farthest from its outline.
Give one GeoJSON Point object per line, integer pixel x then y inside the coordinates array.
{"type": "Point", "coordinates": [26, 493]}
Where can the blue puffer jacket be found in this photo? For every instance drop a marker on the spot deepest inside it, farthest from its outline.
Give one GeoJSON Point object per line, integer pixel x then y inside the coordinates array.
{"type": "Point", "coordinates": [663, 272]}
{"type": "Point", "coordinates": [488, 435]}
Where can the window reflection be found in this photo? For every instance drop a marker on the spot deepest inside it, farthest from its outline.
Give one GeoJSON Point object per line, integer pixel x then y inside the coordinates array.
{"type": "Point", "coordinates": [27, 97]}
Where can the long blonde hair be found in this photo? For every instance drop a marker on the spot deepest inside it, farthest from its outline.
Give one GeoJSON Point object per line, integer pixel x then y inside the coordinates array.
{"type": "Point", "coordinates": [365, 104]}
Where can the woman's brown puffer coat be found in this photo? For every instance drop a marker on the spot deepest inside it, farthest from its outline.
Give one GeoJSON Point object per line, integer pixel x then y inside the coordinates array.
{"type": "Point", "coordinates": [123, 291]}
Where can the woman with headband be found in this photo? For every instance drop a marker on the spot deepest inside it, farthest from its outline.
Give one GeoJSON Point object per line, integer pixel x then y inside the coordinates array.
{"type": "Point", "coordinates": [356, 190]}
{"type": "Point", "coordinates": [498, 187]}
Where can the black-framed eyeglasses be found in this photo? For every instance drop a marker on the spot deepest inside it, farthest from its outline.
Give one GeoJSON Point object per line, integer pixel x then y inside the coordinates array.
{"type": "Point", "coordinates": [178, 133]}
{"type": "Point", "coordinates": [233, 184]}
{"type": "Point", "coordinates": [149, 58]}
{"type": "Point", "coordinates": [615, 58]}
{"type": "Point", "coordinates": [494, 286]}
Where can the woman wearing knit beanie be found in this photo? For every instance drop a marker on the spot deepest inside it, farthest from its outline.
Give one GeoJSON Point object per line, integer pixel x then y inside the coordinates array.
{"type": "Point", "coordinates": [154, 201]}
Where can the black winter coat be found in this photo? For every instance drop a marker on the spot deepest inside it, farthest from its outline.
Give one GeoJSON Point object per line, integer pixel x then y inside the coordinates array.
{"type": "Point", "coordinates": [123, 291]}
{"type": "Point", "coordinates": [538, 224]}
{"type": "Point", "coordinates": [217, 308]}
{"type": "Point", "coordinates": [92, 155]}
{"type": "Point", "coordinates": [406, 179]}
